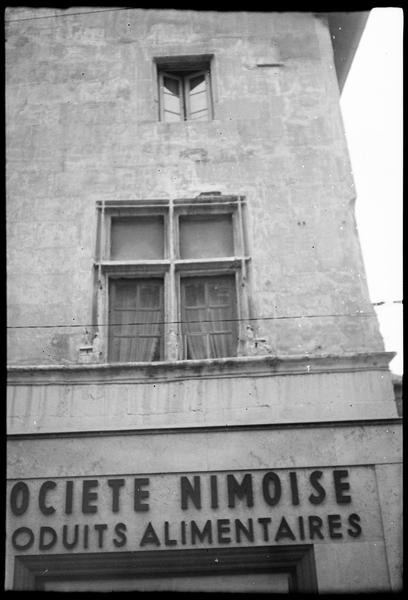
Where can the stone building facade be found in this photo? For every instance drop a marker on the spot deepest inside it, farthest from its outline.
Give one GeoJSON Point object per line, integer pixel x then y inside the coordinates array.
{"type": "Point", "coordinates": [198, 393]}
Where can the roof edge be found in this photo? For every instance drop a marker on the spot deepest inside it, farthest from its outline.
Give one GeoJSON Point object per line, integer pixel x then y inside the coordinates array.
{"type": "Point", "coordinates": [346, 29]}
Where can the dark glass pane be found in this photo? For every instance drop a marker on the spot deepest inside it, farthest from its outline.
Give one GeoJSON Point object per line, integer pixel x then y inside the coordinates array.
{"type": "Point", "coordinates": [126, 295]}
{"type": "Point", "coordinates": [195, 294]}
{"type": "Point", "coordinates": [197, 84]}
{"type": "Point", "coordinates": [171, 86]}
{"type": "Point", "coordinates": [149, 296]}
{"type": "Point", "coordinates": [219, 294]}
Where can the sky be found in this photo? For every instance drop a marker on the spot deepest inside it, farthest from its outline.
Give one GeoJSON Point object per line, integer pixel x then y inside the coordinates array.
{"type": "Point", "coordinates": [371, 105]}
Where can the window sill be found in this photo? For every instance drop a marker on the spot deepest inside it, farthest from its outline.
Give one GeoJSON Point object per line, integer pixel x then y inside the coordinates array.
{"type": "Point", "coordinates": [193, 122]}
{"type": "Point", "coordinates": [239, 366]}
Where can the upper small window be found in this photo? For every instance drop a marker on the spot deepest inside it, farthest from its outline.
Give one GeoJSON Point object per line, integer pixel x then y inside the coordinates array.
{"type": "Point", "coordinates": [184, 89]}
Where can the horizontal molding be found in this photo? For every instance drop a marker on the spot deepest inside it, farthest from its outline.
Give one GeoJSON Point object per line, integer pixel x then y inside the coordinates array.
{"type": "Point", "coordinates": [132, 203]}
{"type": "Point", "coordinates": [241, 469]}
{"type": "Point", "coordinates": [210, 429]}
{"type": "Point", "coordinates": [162, 266]}
{"type": "Point", "coordinates": [205, 451]}
{"type": "Point", "coordinates": [235, 367]}
{"type": "Point", "coordinates": [201, 199]}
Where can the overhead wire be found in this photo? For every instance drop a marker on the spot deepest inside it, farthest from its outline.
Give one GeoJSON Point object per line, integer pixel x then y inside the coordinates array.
{"type": "Point", "coordinates": [90, 12]}
{"type": "Point", "coordinates": [236, 319]}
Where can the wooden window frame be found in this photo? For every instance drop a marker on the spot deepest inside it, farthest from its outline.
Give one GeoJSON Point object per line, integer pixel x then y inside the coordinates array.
{"type": "Point", "coordinates": [180, 279]}
{"type": "Point", "coordinates": [113, 217]}
{"type": "Point", "coordinates": [171, 268]}
{"type": "Point", "coordinates": [162, 75]}
{"type": "Point", "coordinates": [112, 212]}
{"type": "Point", "coordinates": [183, 68]}
{"type": "Point", "coordinates": [187, 105]}
{"type": "Point", "coordinates": [298, 561]}
{"type": "Point", "coordinates": [111, 290]}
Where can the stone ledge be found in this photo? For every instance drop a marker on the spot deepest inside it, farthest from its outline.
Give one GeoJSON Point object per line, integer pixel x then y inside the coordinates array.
{"type": "Point", "coordinates": [201, 450]}
{"type": "Point", "coordinates": [384, 422]}
{"type": "Point", "coordinates": [242, 366]}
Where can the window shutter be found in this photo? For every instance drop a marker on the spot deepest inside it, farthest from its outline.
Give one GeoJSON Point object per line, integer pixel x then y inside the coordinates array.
{"type": "Point", "coordinates": [172, 101]}
{"type": "Point", "coordinates": [196, 93]}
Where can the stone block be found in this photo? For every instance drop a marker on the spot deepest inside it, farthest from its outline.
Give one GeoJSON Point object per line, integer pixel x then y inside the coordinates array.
{"type": "Point", "coordinates": [360, 568]}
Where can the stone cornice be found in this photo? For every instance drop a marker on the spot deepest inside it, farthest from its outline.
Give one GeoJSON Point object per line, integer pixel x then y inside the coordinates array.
{"type": "Point", "coordinates": [255, 366]}
{"type": "Point", "coordinates": [386, 422]}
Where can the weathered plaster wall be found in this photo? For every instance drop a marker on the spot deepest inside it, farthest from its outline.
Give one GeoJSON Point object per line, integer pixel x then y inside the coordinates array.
{"type": "Point", "coordinates": [82, 126]}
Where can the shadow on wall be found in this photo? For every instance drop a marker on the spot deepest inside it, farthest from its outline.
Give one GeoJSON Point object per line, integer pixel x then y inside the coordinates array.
{"type": "Point", "coordinates": [397, 382]}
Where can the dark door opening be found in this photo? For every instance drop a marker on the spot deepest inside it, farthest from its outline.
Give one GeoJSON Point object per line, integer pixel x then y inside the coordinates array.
{"type": "Point", "coordinates": [256, 569]}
